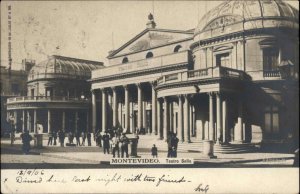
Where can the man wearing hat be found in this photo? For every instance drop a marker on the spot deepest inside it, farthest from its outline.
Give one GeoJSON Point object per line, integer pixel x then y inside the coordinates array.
{"type": "Point", "coordinates": [124, 145]}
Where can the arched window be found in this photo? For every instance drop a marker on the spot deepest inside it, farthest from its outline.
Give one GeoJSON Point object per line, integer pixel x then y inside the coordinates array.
{"type": "Point", "coordinates": [125, 60]}
{"type": "Point", "coordinates": [149, 55]}
{"type": "Point", "coordinates": [177, 48]}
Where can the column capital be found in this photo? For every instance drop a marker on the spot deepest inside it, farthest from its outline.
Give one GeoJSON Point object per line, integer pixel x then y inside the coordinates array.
{"type": "Point", "coordinates": [165, 98]}
{"type": "Point", "coordinates": [103, 90]}
{"type": "Point", "coordinates": [242, 41]}
{"type": "Point", "coordinates": [126, 87]}
{"type": "Point", "coordinates": [218, 93]}
{"type": "Point", "coordinates": [139, 85]}
{"type": "Point", "coordinates": [114, 88]}
{"type": "Point", "coordinates": [211, 94]}
{"type": "Point", "coordinates": [186, 96]}
{"type": "Point", "coordinates": [153, 83]}
{"type": "Point", "coordinates": [159, 100]}
{"type": "Point", "coordinates": [179, 96]}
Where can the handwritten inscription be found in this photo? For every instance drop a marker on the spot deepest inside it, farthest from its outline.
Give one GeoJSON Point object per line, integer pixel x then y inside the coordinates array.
{"type": "Point", "coordinates": [201, 188]}
{"type": "Point", "coordinates": [36, 176]}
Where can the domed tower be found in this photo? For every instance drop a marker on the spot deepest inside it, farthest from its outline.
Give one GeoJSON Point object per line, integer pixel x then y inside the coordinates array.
{"type": "Point", "coordinates": [58, 96]}
{"type": "Point", "coordinates": [253, 36]}
{"type": "Point", "coordinates": [259, 39]}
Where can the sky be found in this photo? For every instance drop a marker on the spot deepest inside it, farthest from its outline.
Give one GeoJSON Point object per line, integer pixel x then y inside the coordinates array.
{"type": "Point", "coordinates": [88, 29]}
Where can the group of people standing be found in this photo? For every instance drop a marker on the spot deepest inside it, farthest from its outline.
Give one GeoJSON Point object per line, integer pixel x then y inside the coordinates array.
{"type": "Point", "coordinates": [172, 141]}
{"type": "Point", "coordinates": [115, 141]}
{"type": "Point", "coordinates": [26, 139]}
{"type": "Point", "coordinates": [61, 136]}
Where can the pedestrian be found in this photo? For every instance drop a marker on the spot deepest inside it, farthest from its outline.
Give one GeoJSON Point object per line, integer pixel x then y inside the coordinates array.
{"type": "Point", "coordinates": [173, 153]}
{"type": "Point", "coordinates": [115, 145]}
{"type": "Point", "coordinates": [77, 136]}
{"type": "Point", "coordinates": [83, 135]}
{"type": "Point", "coordinates": [89, 137]}
{"type": "Point", "coordinates": [50, 138]}
{"type": "Point", "coordinates": [54, 137]}
{"type": "Point", "coordinates": [61, 136]}
{"type": "Point", "coordinates": [124, 145]}
{"type": "Point", "coordinates": [174, 143]}
{"type": "Point", "coordinates": [99, 138]}
{"type": "Point", "coordinates": [105, 139]}
{"type": "Point", "coordinates": [296, 158]}
{"type": "Point", "coordinates": [169, 142]}
{"type": "Point", "coordinates": [12, 135]}
{"type": "Point", "coordinates": [154, 151]}
{"type": "Point", "coordinates": [71, 137]}
{"type": "Point", "coordinates": [26, 138]}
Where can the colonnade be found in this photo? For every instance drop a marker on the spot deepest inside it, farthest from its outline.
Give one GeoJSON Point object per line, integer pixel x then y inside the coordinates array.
{"type": "Point", "coordinates": [30, 119]}
{"type": "Point", "coordinates": [162, 109]}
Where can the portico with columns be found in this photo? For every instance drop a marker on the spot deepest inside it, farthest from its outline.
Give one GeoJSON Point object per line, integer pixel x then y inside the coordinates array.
{"type": "Point", "coordinates": [195, 116]}
{"type": "Point", "coordinates": [159, 95]}
{"type": "Point", "coordinates": [200, 84]}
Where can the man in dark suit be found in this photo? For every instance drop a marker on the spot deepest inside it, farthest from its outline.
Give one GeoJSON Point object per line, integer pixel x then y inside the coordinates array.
{"type": "Point", "coordinates": [105, 138]}
{"type": "Point", "coordinates": [124, 145]}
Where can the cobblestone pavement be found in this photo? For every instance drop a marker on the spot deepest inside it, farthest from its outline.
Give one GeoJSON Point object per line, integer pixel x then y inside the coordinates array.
{"type": "Point", "coordinates": [93, 157]}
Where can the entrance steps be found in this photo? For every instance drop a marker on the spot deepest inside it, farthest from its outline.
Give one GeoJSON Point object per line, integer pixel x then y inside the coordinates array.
{"type": "Point", "coordinates": [196, 146]}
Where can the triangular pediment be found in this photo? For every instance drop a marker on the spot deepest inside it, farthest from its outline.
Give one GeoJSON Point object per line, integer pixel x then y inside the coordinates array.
{"type": "Point", "coordinates": [151, 38]}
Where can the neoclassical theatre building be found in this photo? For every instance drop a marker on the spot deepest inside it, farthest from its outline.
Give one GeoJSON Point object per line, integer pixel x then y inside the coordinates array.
{"type": "Point", "coordinates": [58, 96]}
{"type": "Point", "coordinates": [232, 79]}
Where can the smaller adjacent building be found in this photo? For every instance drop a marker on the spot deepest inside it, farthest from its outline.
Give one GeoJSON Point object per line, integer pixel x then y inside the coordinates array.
{"type": "Point", "coordinates": [58, 96]}
{"type": "Point", "coordinates": [12, 84]}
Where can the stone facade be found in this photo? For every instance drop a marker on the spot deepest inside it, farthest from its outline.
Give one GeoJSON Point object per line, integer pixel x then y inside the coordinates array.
{"type": "Point", "coordinates": [232, 80]}
{"type": "Point", "coordinates": [13, 84]}
{"type": "Point", "coordinates": [58, 97]}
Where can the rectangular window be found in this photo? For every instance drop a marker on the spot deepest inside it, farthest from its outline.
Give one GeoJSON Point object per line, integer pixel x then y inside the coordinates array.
{"type": "Point", "coordinates": [15, 88]}
{"type": "Point", "coordinates": [223, 60]}
{"type": "Point", "coordinates": [49, 92]}
{"type": "Point", "coordinates": [270, 59]}
{"type": "Point", "coordinates": [272, 121]}
{"type": "Point", "coordinates": [32, 92]}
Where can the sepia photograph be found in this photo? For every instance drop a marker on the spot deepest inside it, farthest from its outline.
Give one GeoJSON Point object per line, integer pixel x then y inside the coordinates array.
{"type": "Point", "coordinates": [153, 96]}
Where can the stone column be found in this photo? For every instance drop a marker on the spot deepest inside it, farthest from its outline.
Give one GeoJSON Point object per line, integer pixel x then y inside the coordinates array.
{"type": "Point", "coordinates": [159, 114]}
{"type": "Point", "coordinates": [76, 122]}
{"type": "Point", "coordinates": [171, 116]}
{"type": "Point", "coordinates": [115, 107]}
{"type": "Point", "coordinates": [104, 110]}
{"type": "Point", "coordinates": [211, 117]}
{"type": "Point", "coordinates": [34, 121]}
{"type": "Point", "coordinates": [191, 118]}
{"type": "Point", "coordinates": [64, 121]}
{"type": "Point", "coordinates": [28, 121]}
{"type": "Point", "coordinates": [238, 132]}
{"type": "Point", "coordinates": [94, 112]}
{"type": "Point", "coordinates": [174, 119]}
{"type": "Point", "coordinates": [120, 114]}
{"type": "Point", "coordinates": [23, 120]}
{"type": "Point", "coordinates": [16, 120]}
{"type": "Point", "coordinates": [154, 115]}
{"type": "Point", "coordinates": [180, 119]}
{"type": "Point", "coordinates": [224, 114]}
{"type": "Point", "coordinates": [140, 106]}
{"type": "Point", "coordinates": [49, 121]}
{"type": "Point", "coordinates": [186, 119]}
{"type": "Point", "coordinates": [145, 116]}
{"type": "Point", "coordinates": [166, 119]}
{"type": "Point", "coordinates": [131, 119]}
{"type": "Point", "coordinates": [219, 118]}
{"type": "Point", "coordinates": [126, 107]}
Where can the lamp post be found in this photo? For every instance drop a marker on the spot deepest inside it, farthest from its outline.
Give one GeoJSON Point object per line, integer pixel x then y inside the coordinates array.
{"type": "Point", "coordinates": [12, 131]}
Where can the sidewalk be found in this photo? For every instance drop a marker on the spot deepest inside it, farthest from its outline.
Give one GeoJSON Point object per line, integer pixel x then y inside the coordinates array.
{"type": "Point", "coordinates": [94, 155]}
